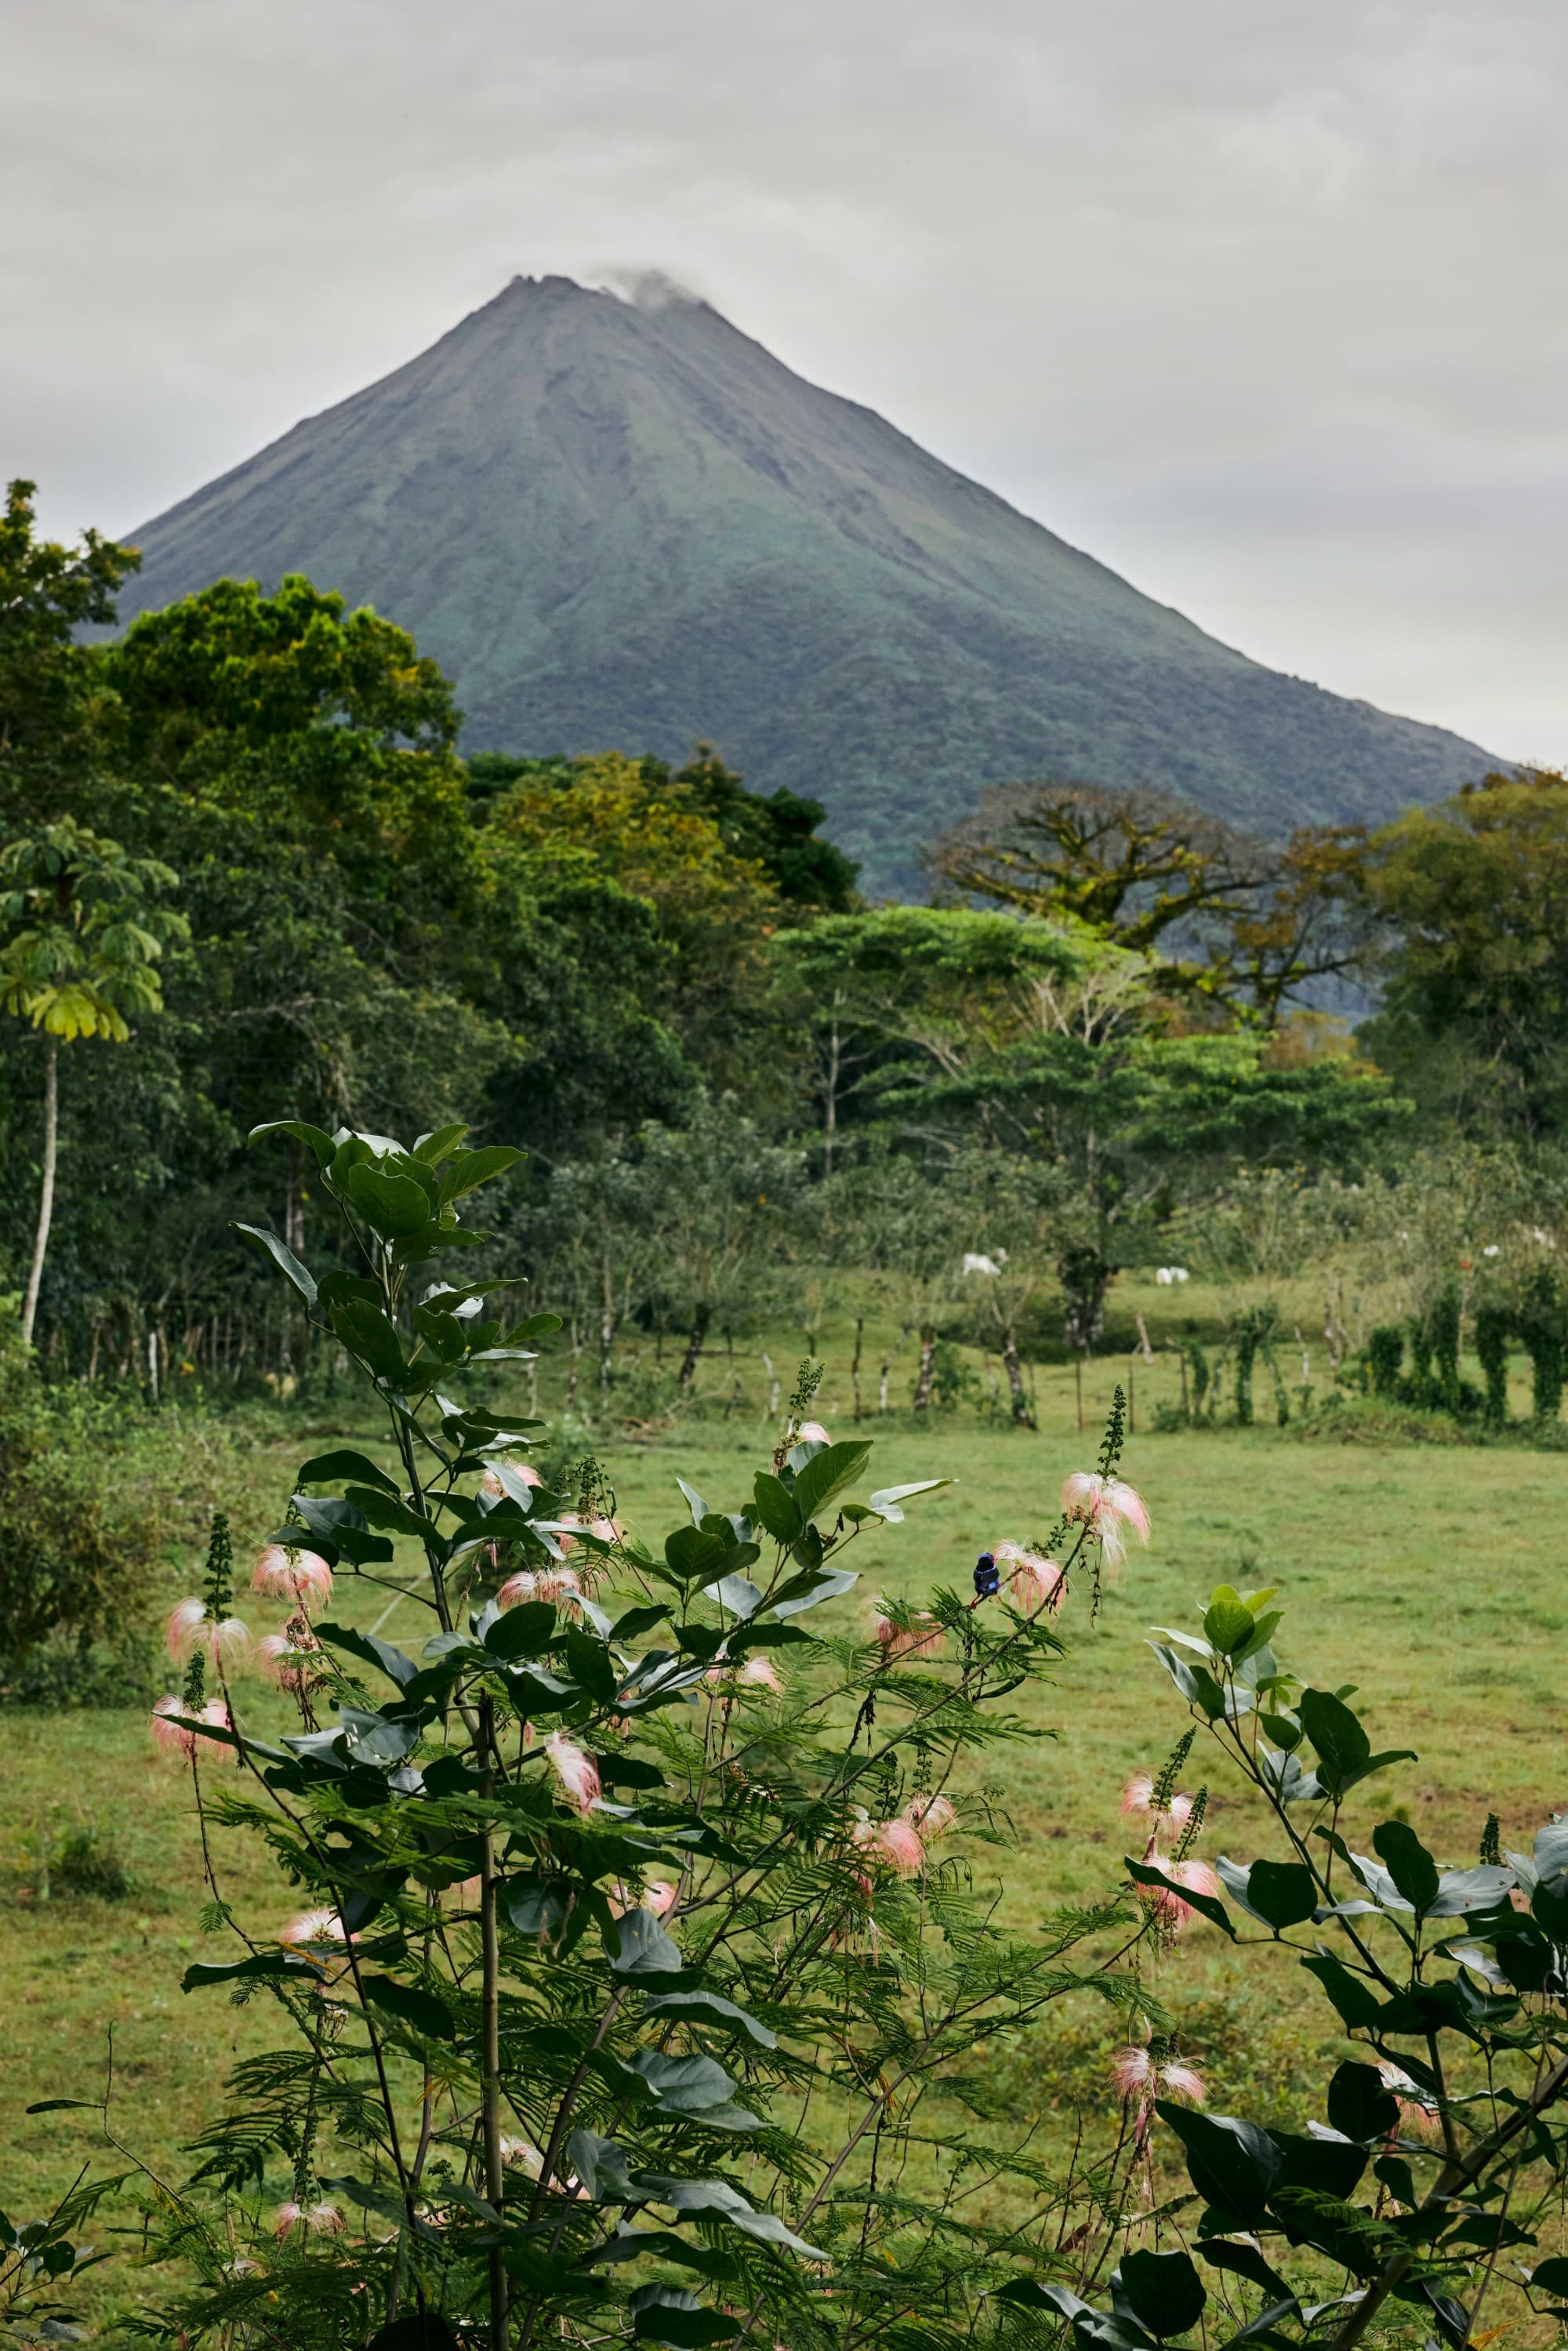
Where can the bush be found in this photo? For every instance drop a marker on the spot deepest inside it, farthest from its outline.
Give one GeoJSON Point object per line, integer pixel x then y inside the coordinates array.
{"type": "Point", "coordinates": [86, 1503]}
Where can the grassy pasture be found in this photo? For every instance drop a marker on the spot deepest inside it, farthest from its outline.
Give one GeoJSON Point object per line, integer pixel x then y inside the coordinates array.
{"type": "Point", "coordinates": [1430, 1576]}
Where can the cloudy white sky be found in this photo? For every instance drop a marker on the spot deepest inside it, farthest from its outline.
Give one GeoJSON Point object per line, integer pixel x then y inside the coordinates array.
{"type": "Point", "coordinates": [1262, 303]}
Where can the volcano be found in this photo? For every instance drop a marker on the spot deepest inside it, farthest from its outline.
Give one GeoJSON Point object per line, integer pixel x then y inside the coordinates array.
{"type": "Point", "coordinates": [624, 525]}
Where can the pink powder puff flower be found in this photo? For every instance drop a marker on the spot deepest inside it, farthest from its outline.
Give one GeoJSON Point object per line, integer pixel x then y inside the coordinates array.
{"type": "Point", "coordinates": [1033, 1582]}
{"type": "Point", "coordinates": [284, 1572]}
{"type": "Point", "coordinates": [492, 1484]}
{"type": "Point", "coordinates": [325, 2219]}
{"type": "Point", "coordinates": [171, 1737]}
{"type": "Point", "coordinates": [576, 1771]}
{"type": "Point", "coordinates": [895, 1843]}
{"type": "Point", "coordinates": [761, 1673]}
{"type": "Point", "coordinates": [1138, 1797]}
{"type": "Point", "coordinates": [1110, 1506]}
{"type": "Point", "coordinates": [811, 1431]}
{"type": "Point", "coordinates": [465, 1895]}
{"type": "Point", "coordinates": [288, 1662]}
{"type": "Point", "coordinates": [561, 1585]}
{"type": "Point", "coordinates": [1198, 1877]}
{"type": "Point", "coordinates": [313, 1929]}
{"type": "Point", "coordinates": [929, 1816]}
{"type": "Point", "coordinates": [1137, 2072]}
{"type": "Point", "coordinates": [224, 1639]}
{"type": "Point", "coordinates": [658, 1896]}
{"type": "Point", "coordinates": [901, 1640]}
{"type": "Point", "coordinates": [607, 1529]}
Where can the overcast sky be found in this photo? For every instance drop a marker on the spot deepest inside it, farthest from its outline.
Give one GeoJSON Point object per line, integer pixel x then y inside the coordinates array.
{"type": "Point", "coordinates": [1261, 302]}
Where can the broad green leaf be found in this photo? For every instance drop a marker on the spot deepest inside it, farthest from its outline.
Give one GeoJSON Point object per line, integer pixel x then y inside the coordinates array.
{"type": "Point", "coordinates": [470, 1169]}
{"type": "Point", "coordinates": [709, 2008]}
{"type": "Point", "coordinates": [321, 1144]}
{"type": "Point", "coordinates": [525, 1631]}
{"type": "Point", "coordinates": [591, 1666]}
{"type": "Point", "coordinates": [419, 2009]}
{"type": "Point", "coordinates": [1361, 2105]}
{"type": "Point", "coordinates": [1280, 1893]}
{"type": "Point", "coordinates": [261, 1963]}
{"type": "Point", "coordinates": [1341, 1746]}
{"type": "Point", "coordinates": [1232, 2164]}
{"type": "Point", "coordinates": [695, 1555]}
{"type": "Point", "coordinates": [1358, 2007]}
{"type": "Point", "coordinates": [335, 1468]}
{"type": "Point", "coordinates": [1145, 1872]}
{"type": "Point", "coordinates": [1407, 1862]}
{"type": "Point", "coordinates": [369, 1334]}
{"type": "Point", "coordinates": [885, 1503]}
{"type": "Point", "coordinates": [371, 1650]}
{"type": "Point", "coordinates": [774, 1509]}
{"type": "Point", "coordinates": [1164, 2291]}
{"type": "Point", "coordinates": [435, 1146]}
{"type": "Point", "coordinates": [642, 1948]}
{"type": "Point", "coordinates": [829, 1474]}
{"type": "Point", "coordinates": [268, 1244]}
{"type": "Point", "coordinates": [830, 1584]}
{"type": "Point", "coordinates": [1245, 2260]}
{"type": "Point", "coordinates": [1228, 1622]}
{"type": "Point", "coordinates": [393, 1205]}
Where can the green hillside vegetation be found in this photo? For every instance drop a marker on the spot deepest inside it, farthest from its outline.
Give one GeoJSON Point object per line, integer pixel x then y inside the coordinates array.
{"type": "Point", "coordinates": [617, 525]}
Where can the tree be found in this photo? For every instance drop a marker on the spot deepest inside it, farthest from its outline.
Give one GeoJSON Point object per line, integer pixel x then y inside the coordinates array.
{"type": "Point", "coordinates": [1130, 864]}
{"type": "Point", "coordinates": [48, 719]}
{"type": "Point", "coordinates": [1242, 924]}
{"type": "Point", "coordinates": [84, 943]}
{"type": "Point", "coordinates": [900, 995]}
{"type": "Point", "coordinates": [1475, 1012]}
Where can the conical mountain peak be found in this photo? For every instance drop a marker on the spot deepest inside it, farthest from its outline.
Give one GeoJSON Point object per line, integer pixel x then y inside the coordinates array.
{"type": "Point", "coordinates": [617, 521]}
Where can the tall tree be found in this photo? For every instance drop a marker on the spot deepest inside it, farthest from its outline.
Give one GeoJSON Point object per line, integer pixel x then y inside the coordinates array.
{"type": "Point", "coordinates": [1475, 1013]}
{"type": "Point", "coordinates": [83, 938]}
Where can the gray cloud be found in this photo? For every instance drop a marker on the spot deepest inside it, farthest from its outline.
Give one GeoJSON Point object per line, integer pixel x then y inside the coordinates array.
{"type": "Point", "coordinates": [1264, 305]}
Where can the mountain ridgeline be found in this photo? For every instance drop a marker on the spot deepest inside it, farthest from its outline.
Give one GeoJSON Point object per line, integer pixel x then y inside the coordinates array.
{"type": "Point", "coordinates": [626, 526]}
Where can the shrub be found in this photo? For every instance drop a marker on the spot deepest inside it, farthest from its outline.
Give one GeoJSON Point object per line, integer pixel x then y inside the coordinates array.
{"type": "Point", "coordinates": [87, 1504]}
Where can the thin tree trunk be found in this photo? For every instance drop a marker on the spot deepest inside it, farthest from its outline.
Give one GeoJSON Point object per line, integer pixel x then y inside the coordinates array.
{"type": "Point", "coordinates": [882, 1383]}
{"type": "Point", "coordinates": [927, 1366]}
{"type": "Point", "coordinates": [46, 1191]}
{"type": "Point", "coordinates": [606, 1333]}
{"type": "Point", "coordinates": [694, 1347]}
{"type": "Point", "coordinates": [831, 1100]}
{"type": "Point", "coordinates": [1022, 1416]}
{"type": "Point", "coordinates": [855, 1366]}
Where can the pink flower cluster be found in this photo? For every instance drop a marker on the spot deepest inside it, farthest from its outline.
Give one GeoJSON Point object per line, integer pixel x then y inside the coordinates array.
{"type": "Point", "coordinates": [559, 1585]}
{"type": "Point", "coordinates": [282, 1571]}
{"type": "Point", "coordinates": [1109, 1507]}
{"type": "Point", "coordinates": [324, 2218]}
{"type": "Point", "coordinates": [1139, 2075]}
{"type": "Point", "coordinates": [1138, 1803]}
{"type": "Point", "coordinates": [576, 1769]}
{"type": "Point", "coordinates": [907, 1640]}
{"type": "Point", "coordinates": [900, 1845]}
{"type": "Point", "coordinates": [171, 1737]}
{"type": "Point", "coordinates": [1032, 1582]}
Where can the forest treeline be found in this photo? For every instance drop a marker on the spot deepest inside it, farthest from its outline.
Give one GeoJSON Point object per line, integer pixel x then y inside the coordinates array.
{"type": "Point", "coordinates": [245, 873]}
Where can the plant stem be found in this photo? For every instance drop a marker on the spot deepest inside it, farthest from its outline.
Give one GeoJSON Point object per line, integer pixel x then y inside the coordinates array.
{"type": "Point", "coordinates": [47, 1190]}
{"type": "Point", "coordinates": [490, 2031]}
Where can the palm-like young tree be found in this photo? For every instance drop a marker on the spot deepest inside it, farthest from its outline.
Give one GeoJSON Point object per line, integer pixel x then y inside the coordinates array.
{"type": "Point", "coordinates": [82, 943]}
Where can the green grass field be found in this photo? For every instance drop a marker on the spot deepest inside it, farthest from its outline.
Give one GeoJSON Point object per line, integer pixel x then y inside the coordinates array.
{"type": "Point", "coordinates": [1430, 1576]}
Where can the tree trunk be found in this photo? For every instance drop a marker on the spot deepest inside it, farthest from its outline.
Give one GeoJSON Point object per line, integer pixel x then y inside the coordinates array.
{"type": "Point", "coordinates": [694, 1346]}
{"type": "Point", "coordinates": [47, 1190]}
{"type": "Point", "coordinates": [927, 1366]}
{"type": "Point", "coordinates": [1022, 1416]}
{"type": "Point", "coordinates": [606, 1333]}
{"type": "Point", "coordinates": [855, 1366]}
{"type": "Point", "coordinates": [882, 1383]}
{"type": "Point", "coordinates": [293, 1206]}
{"type": "Point", "coordinates": [831, 1100]}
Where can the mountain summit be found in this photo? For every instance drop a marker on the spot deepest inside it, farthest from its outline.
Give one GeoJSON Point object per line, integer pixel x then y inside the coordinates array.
{"type": "Point", "coordinates": [622, 524]}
